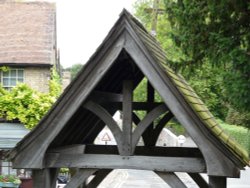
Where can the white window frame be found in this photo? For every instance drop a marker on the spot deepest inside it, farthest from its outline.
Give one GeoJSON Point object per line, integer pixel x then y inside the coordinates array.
{"type": "Point", "coordinates": [9, 76]}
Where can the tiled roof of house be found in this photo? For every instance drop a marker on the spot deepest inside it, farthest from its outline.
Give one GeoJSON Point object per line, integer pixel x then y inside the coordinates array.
{"type": "Point", "coordinates": [27, 33]}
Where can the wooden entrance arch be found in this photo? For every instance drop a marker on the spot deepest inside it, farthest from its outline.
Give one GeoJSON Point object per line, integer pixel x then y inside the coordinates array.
{"type": "Point", "coordinates": [64, 138]}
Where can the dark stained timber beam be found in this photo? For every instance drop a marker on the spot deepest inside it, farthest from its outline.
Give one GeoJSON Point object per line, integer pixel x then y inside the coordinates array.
{"type": "Point", "coordinates": [140, 150]}
{"type": "Point", "coordinates": [199, 180]}
{"type": "Point", "coordinates": [108, 119]}
{"type": "Point", "coordinates": [164, 164]}
{"type": "Point", "coordinates": [76, 148]}
{"type": "Point", "coordinates": [99, 177]}
{"type": "Point", "coordinates": [160, 126]}
{"type": "Point", "coordinates": [148, 133]}
{"type": "Point", "coordinates": [104, 97]}
{"type": "Point", "coordinates": [146, 122]}
{"type": "Point", "coordinates": [217, 182]}
{"type": "Point", "coordinates": [171, 179]}
{"type": "Point", "coordinates": [127, 117]}
{"type": "Point", "coordinates": [44, 178]}
{"type": "Point", "coordinates": [144, 106]}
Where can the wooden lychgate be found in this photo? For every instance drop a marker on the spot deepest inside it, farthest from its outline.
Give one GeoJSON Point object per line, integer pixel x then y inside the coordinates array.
{"type": "Point", "coordinates": [65, 136]}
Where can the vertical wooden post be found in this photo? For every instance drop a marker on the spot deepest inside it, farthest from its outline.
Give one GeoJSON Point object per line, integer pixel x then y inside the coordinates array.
{"type": "Point", "coordinates": [149, 132]}
{"type": "Point", "coordinates": [44, 178]}
{"type": "Point", "coordinates": [127, 117]}
{"type": "Point", "coordinates": [217, 182]}
{"type": "Point", "coordinates": [151, 92]}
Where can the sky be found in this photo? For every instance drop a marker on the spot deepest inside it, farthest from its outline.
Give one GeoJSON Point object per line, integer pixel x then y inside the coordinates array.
{"type": "Point", "coordinates": [83, 24]}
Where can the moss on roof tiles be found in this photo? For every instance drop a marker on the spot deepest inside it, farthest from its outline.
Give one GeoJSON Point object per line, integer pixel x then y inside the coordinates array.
{"type": "Point", "coordinates": [189, 94]}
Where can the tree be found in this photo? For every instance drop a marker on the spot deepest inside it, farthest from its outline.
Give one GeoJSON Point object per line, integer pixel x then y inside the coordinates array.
{"type": "Point", "coordinates": [205, 79]}
{"type": "Point", "coordinates": [74, 69]}
{"type": "Point", "coordinates": [143, 11]}
{"type": "Point", "coordinates": [217, 32]}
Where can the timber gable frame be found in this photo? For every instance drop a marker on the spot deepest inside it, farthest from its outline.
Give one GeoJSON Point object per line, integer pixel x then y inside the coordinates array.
{"type": "Point", "coordinates": [65, 136]}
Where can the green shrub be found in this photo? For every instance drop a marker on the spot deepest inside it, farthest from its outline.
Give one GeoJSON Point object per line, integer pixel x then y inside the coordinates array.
{"type": "Point", "coordinates": [26, 105]}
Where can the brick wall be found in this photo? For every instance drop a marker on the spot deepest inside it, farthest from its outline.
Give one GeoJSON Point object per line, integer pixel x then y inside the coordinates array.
{"type": "Point", "coordinates": [37, 78]}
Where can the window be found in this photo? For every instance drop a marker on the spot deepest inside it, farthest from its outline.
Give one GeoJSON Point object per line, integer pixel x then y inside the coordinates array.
{"type": "Point", "coordinates": [6, 168]}
{"type": "Point", "coordinates": [11, 77]}
{"type": "Point", "coordinates": [5, 165]}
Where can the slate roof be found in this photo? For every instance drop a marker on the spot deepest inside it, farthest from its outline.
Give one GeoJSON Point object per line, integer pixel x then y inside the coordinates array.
{"type": "Point", "coordinates": [11, 134]}
{"type": "Point", "coordinates": [27, 33]}
{"type": "Point", "coordinates": [188, 93]}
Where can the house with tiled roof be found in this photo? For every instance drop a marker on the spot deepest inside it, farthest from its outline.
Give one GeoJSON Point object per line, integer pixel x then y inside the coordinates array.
{"type": "Point", "coordinates": [28, 49]}
{"type": "Point", "coordinates": [27, 43]}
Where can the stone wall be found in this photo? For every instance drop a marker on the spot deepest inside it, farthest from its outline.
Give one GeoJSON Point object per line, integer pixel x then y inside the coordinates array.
{"type": "Point", "coordinates": [66, 79]}
{"type": "Point", "coordinates": [37, 78]}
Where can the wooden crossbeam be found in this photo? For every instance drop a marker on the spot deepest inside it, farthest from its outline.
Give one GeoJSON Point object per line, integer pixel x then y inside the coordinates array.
{"type": "Point", "coordinates": [104, 97]}
{"type": "Point", "coordinates": [144, 106]}
{"type": "Point", "coordinates": [100, 161]}
{"type": "Point", "coordinates": [140, 150]}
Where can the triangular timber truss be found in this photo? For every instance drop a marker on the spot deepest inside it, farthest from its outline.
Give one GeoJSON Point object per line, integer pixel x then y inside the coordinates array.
{"type": "Point", "coordinates": [65, 136]}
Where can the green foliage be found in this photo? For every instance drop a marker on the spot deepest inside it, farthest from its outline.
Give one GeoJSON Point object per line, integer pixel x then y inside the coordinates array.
{"type": "Point", "coordinates": [207, 82]}
{"type": "Point", "coordinates": [176, 127]}
{"type": "Point", "coordinates": [206, 79]}
{"type": "Point", "coordinates": [55, 87]}
{"type": "Point", "coordinates": [239, 133]}
{"type": "Point", "coordinates": [4, 68]}
{"type": "Point", "coordinates": [10, 179]}
{"type": "Point", "coordinates": [238, 118]}
{"type": "Point", "coordinates": [74, 69]}
{"type": "Point", "coordinates": [217, 32]}
{"type": "Point", "coordinates": [204, 51]}
{"type": "Point", "coordinates": [27, 105]}
{"type": "Point", "coordinates": [143, 11]}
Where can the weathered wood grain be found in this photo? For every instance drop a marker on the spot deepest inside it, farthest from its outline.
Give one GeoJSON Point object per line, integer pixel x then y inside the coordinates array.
{"type": "Point", "coordinates": [127, 117]}
{"type": "Point", "coordinates": [80, 177]}
{"type": "Point", "coordinates": [165, 164]}
{"type": "Point", "coordinates": [209, 145]}
{"type": "Point", "coordinates": [44, 178]}
{"type": "Point", "coordinates": [146, 122]}
{"type": "Point", "coordinates": [171, 179]}
{"type": "Point", "coordinates": [108, 119]}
